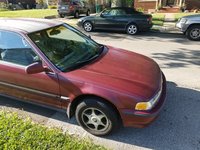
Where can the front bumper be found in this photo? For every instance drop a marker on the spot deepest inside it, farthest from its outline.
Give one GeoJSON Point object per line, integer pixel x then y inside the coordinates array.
{"type": "Point", "coordinates": [140, 119]}
{"type": "Point", "coordinates": [182, 26]}
{"type": "Point", "coordinates": [80, 23]}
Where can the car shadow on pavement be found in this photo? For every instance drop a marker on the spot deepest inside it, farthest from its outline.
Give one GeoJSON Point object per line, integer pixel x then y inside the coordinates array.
{"type": "Point", "coordinates": [179, 58]}
{"type": "Point", "coordinates": [177, 127]}
{"type": "Point", "coordinates": [146, 36]}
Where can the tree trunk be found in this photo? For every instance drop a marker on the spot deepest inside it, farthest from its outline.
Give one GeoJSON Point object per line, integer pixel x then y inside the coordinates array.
{"type": "Point", "coordinates": [116, 3]}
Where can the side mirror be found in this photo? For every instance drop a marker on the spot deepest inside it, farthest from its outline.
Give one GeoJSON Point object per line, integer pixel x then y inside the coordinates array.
{"type": "Point", "coordinates": [34, 68]}
{"type": "Point", "coordinates": [90, 36]}
{"type": "Point", "coordinates": [101, 15]}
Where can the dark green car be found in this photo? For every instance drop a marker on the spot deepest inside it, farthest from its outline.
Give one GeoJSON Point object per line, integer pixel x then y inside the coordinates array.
{"type": "Point", "coordinates": [118, 18]}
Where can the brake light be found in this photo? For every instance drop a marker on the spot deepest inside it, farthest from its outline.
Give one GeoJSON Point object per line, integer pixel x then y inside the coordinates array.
{"type": "Point", "coordinates": [149, 19]}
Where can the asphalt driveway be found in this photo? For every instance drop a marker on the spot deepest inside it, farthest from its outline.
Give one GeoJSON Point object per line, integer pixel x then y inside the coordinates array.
{"type": "Point", "coordinates": [178, 126]}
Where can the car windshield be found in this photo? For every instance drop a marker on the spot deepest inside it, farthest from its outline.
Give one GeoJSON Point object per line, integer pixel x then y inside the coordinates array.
{"type": "Point", "coordinates": [66, 47]}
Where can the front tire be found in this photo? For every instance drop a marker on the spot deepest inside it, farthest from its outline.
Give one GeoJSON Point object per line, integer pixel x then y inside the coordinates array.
{"type": "Point", "coordinates": [61, 15]}
{"type": "Point", "coordinates": [88, 27]}
{"type": "Point", "coordinates": [193, 33]}
{"type": "Point", "coordinates": [96, 117]}
{"type": "Point", "coordinates": [132, 29]}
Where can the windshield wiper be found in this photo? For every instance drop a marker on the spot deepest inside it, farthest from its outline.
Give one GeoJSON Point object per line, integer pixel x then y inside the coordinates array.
{"type": "Point", "coordinates": [80, 63]}
{"type": "Point", "coordinates": [83, 62]}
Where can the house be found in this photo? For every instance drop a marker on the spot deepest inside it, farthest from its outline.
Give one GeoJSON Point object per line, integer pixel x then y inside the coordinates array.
{"type": "Point", "coordinates": [24, 4]}
{"type": "Point", "coordinates": [167, 5]}
{"type": "Point", "coordinates": [3, 1]}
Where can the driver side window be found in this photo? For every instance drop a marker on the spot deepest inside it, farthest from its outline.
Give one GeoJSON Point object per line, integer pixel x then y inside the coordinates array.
{"type": "Point", "coordinates": [15, 49]}
{"type": "Point", "coordinates": [106, 13]}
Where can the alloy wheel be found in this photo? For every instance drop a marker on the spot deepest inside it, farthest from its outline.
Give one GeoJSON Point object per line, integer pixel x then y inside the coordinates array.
{"type": "Point", "coordinates": [132, 29]}
{"type": "Point", "coordinates": [195, 33]}
{"type": "Point", "coordinates": [88, 26]}
{"type": "Point", "coordinates": [95, 119]}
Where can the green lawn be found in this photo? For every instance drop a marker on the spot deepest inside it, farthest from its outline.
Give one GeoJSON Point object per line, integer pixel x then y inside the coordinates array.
{"type": "Point", "coordinates": [158, 19]}
{"type": "Point", "coordinates": [22, 134]}
{"type": "Point", "coordinates": [179, 15]}
{"type": "Point", "coordinates": [34, 13]}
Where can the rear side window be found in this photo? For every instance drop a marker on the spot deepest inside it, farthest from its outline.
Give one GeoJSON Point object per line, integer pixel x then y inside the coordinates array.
{"type": "Point", "coordinates": [15, 49]}
{"type": "Point", "coordinates": [132, 11]}
{"type": "Point", "coordinates": [114, 12]}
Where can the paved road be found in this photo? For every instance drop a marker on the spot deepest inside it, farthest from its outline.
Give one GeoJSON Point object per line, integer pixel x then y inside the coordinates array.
{"type": "Point", "coordinates": [178, 126]}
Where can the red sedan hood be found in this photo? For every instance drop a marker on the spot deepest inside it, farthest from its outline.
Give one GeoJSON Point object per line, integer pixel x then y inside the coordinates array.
{"type": "Point", "coordinates": [123, 71]}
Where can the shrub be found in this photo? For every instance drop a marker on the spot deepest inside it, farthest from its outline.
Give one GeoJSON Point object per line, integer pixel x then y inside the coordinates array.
{"type": "Point", "coordinates": [52, 6]}
{"type": "Point", "coordinates": [140, 9]}
{"type": "Point", "coordinates": [3, 6]}
{"type": "Point", "coordinates": [22, 134]}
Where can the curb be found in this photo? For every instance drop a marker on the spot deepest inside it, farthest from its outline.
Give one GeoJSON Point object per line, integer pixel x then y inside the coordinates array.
{"type": "Point", "coordinates": [51, 17]}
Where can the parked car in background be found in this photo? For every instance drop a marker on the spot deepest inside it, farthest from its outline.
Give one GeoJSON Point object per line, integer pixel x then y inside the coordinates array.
{"type": "Point", "coordinates": [53, 64]}
{"type": "Point", "coordinates": [190, 26]}
{"type": "Point", "coordinates": [124, 19]}
{"type": "Point", "coordinates": [73, 8]}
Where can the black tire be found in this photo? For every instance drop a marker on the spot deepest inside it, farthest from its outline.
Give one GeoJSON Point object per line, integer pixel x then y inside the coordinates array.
{"type": "Point", "coordinates": [96, 117]}
{"type": "Point", "coordinates": [193, 33]}
{"type": "Point", "coordinates": [132, 29]}
{"type": "Point", "coordinates": [87, 26]}
{"type": "Point", "coordinates": [76, 14]}
{"type": "Point", "coordinates": [61, 15]}
{"type": "Point", "coordinates": [88, 13]}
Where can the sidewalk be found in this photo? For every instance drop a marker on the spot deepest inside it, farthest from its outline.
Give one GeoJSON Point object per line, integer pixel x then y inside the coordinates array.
{"type": "Point", "coordinates": [168, 26]}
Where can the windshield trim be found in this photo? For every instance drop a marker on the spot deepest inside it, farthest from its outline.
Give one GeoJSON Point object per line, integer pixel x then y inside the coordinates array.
{"type": "Point", "coordinates": [89, 61]}
{"type": "Point", "coordinates": [77, 32]}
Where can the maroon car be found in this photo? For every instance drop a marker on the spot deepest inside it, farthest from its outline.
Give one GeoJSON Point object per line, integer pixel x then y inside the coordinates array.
{"type": "Point", "coordinates": [55, 65]}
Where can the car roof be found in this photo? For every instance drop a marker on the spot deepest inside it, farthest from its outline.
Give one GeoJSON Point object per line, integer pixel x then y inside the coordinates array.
{"type": "Point", "coordinates": [27, 25]}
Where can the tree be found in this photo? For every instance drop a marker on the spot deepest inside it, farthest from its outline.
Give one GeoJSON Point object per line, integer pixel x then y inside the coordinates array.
{"type": "Point", "coordinates": [120, 3]}
{"type": "Point", "coordinates": [116, 3]}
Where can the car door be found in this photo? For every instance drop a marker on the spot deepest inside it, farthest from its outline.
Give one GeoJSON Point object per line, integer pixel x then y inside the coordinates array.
{"type": "Point", "coordinates": [82, 7]}
{"type": "Point", "coordinates": [120, 19]}
{"type": "Point", "coordinates": [15, 55]}
{"type": "Point", "coordinates": [104, 20]}
{"type": "Point", "coordinates": [79, 6]}
{"type": "Point", "coordinates": [112, 19]}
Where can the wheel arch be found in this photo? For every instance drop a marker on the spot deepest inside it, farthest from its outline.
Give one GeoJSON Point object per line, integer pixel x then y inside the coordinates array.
{"type": "Point", "coordinates": [188, 32]}
{"type": "Point", "coordinates": [90, 21]}
{"type": "Point", "coordinates": [132, 22]}
{"type": "Point", "coordinates": [194, 24]}
{"type": "Point", "coordinates": [80, 98]}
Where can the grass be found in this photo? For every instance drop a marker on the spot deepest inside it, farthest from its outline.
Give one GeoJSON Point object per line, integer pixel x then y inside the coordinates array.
{"type": "Point", "coordinates": [22, 134]}
{"type": "Point", "coordinates": [180, 15]}
{"type": "Point", "coordinates": [34, 13]}
{"type": "Point", "coordinates": [158, 19]}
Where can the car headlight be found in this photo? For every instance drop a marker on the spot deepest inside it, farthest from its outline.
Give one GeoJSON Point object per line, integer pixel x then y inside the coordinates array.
{"type": "Point", "coordinates": [80, 20]}
{"type": "Point", "coordinates": [150, 104]}
{"type": "Point", "coordinates": [183, 20]}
